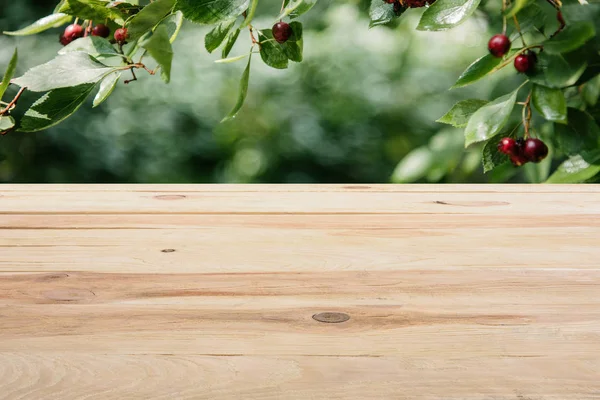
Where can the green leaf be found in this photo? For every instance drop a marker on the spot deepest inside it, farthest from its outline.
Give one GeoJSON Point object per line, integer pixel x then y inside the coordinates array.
{"type": "Point", "coordinates": [212, 11]}
{"type": "Point", "coordinates": [95, 46]}
{"type": "Point", "coordinates": [95, 10]}
{"type": "Point", "coordinates": [482, 67]}
{"type": "Point", "coordinates": [577, 168]}
{"type": "Point", "coordinates": [591, 91]}
{"type": "Point", "coordinates": [243, 92]}
{"type": "Point", "coordinates": [71, 69]}
{"type": "Point", "coordinates": [531, 17]}
{"type": "Point", "coordinates": [271, 52]}
{"type": "Point", "coordinates": [173, 24]}
{"type": "Point", "coordinates": [149, 17]}
{"type": "Point", "coordinates": [54, 107]}
{"type": "Point", "coordinates": [557, 71]}
{"type": "Point", "coordinates": [231, 59]}
{"type": "Point", "coordinates": [215, 37]}
{"type": "Point", "coordinates": [51, 21]}
{"type": "Point", "coordinates": [581, 134]}
{"type": "Point", "coordinates": [6, 122]}
{"type": "Point", "coordinates": [491, 156]}
{"type": "Point", "coordinates": [551, 103]}
{"type": "Point", "coordinates": [461, 112]}
{"type": "Point", "coordinates": [10, 72]}
{"type": "Point", "coordinates": [490, 119]}
{"type": "Point", "coordinates": [289, 7]}
{"type": "Point", "coordinates": [231, 39]}
{"type": "Point", "coordinates": [381, 13]}
{"type": "Point", "coordinates": [446, 14]}
{"type": "Point", "coordinates": [571, 38]}
{"type": "Point", "coordinates": [159, 47]}
{"type": "Point", "coordinates": [413, 166]}
{"type": "Point", "coordinates": [305, 6]}
{"type": "Point", "coordinates": [107, 86]}
{"type": "Point", "coordinates": [294, 45]}
{"type": "Point", "coordinates": [516, 6]}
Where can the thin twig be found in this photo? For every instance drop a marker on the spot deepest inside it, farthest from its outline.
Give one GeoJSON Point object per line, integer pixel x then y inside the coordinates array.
{"type": "Point", "coordinates": [13, 103]}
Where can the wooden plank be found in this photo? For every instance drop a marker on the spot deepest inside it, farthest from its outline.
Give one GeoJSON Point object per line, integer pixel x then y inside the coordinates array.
{"type": "Point", "coordinates": [210, 292]}
{"type": "Point", "coordinates": [306, 201]}
{"type": "Point", "coordinates": [273, 247]}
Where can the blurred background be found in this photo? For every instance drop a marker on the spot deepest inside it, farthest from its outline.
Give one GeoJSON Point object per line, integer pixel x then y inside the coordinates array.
{"type": "Point", "coordinates": [360, 108]}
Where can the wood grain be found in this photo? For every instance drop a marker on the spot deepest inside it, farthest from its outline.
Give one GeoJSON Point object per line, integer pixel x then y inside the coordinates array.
{"type": "Point", "coordinates": [209, 292]}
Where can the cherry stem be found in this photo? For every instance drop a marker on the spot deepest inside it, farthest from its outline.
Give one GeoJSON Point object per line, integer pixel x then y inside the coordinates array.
{"type": "Point", "coordinates": [13, 103]}
{"type": "Point", "coordinates": [503, 17]}
{"type": "Point", "coordinates": [557, 4]}
{"type": "Point", "coordinates": [518, 26]}
{"type": "Point", "coordinates": [526, 115]}
{"type": "Point", "coordinates": [250, 28]}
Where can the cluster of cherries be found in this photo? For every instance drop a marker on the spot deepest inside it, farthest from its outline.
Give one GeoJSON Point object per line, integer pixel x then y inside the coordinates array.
{"type": "Point", "coordinates": [76, 31]}
{"type": "Point", "coordinates": [521, 151]}
{"type": "Point", "coordinates": [500, 44]}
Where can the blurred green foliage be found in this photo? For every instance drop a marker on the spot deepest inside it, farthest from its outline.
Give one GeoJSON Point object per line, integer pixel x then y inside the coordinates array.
{"type": "Point", "coordinates": [358, 104]}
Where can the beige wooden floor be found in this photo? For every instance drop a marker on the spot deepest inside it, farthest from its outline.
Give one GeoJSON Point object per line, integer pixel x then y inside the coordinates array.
{"type": "Point", "coordinates": [217, 292]}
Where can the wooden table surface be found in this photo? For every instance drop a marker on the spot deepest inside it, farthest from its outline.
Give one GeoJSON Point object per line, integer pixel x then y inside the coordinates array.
{"type": "Point", "coordinates": [244, 292]}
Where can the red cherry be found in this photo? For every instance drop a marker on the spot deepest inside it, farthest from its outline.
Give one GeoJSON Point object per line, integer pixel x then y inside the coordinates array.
{"type": "Point", "coordinates": [101, 30]}
{"type": "Point", "coordinates": [121, 35]}
{"type": "Point", "coordinates": [507, 146]}
{"type": "Point", "coordinates": [499, 45]}
{"type": "Point", "coordinates": [282, 32]}
{"type": "Point", "coordinates": [535, 150]}
{"type": "Point", "coordinates": [72, 32]}
{"type": "Point", "coordinates": [525, 62]}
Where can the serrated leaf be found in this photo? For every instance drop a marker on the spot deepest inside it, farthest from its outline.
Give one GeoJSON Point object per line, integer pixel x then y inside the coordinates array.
{"type": "Point", "coordinates": [577, 168]}
{"type": "Point", "coordinates": [551, 103]}
{"type": "Point", "coordinates": [491, 156]}
{"type": "Point", "coordinates": [95, 10]}
{"type": "Point", "coordinates": [215, 37]}
{"type": "Point", "coordinates": [571, 38]}
{"type": "Point", "coordinates": [149, 17]}
{"type": "Point", "coordinates": [93, 45]}
{"type": "Point", "coordinates": [212, 11]}
{"type": "Point", "coordinates": [581, 134]}
{"type": "Point", "coordinates": [446, 14]}
{"type": "Point", "coordinates": [6, 122]}
{"type": "Point", "coordinates": [461, 112]}
{"type": "Point", "coordinates": [516, 6]}
{"type": "Point", "coordinates": [482, 67]}
{"type": "Point", "coordinates": [242, 92]}
{"type": "Point", "coordinates": [490, 119]}
{"type": "Point", "coordinates": [382, 13]}
{"type": "Point", "coordinates": [107, 86]}
{"type": "Point", "coordinates": [71, 69]}
{"type": "Point", "coordinates": [51, 21]}
{"type": "Point", "coordinates": [271, 52]}
{"type": "Point", "coordinates": [159, 47]}
{"type": "Point", "coordinates": [10, 72]}
{"type": "Point", "coordinates": [231, 39]}
{"type": "Point", "coordinates": [54, 107]}
{"type": "Point", "coordinates": [173, 23]}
